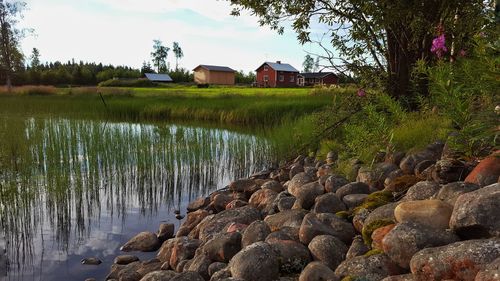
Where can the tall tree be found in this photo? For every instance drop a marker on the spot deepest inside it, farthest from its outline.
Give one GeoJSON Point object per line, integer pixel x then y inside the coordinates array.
{"type": "Point", "coordinates": [316, 65]}
{"type": "Point", "coordinates": [385, 37]}
{"type": "Point", "coordinates": [178, 54]}
{"type": "Point", "coordinates": [160, 54]}
{"type": "Point", "coordinates": [35, 58]}
{"type": "Point", "coordinates": [146, 68]}
{"type": "Point", "coordinates": [308, 63]}
{"type": "Point", "coordinates": [11, 57]}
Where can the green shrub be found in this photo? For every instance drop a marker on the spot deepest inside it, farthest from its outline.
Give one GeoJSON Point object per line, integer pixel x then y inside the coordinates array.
{"type": "Point", "coordinates": [128, 83]}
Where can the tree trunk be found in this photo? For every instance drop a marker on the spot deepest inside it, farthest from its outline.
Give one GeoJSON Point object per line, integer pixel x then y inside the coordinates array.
{"type": "Point", "coordinates": [9, 83]}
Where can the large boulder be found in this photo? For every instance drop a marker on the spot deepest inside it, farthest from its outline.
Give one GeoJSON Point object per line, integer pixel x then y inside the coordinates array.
{"type": "Point", "coordinates": [353, 188]}
{"type": "Point", "coordinates": [197, 204]}
{"type": "Point", "coordinates": [306, 195]}
{"type": "Point", "coordinates": [192, 220]}
{"type": "Point", "coordinates": [328, 249]}
{"type": "Point", "coordinates": [421, 211]}
{"type": "Point", "coordinates": [223, 246]}
{"type": "Point", "coordinates": [450, 192]}
{"type": "Point", "coordinates": [273, 185]}
{"type": "Point", "coordinates": [247, 186]}
{"type": "Point", "coordinates": [291, 218]}
{"type": "Point", "coordinates": [143, 242]}
{"type": "Point", "coordinates": [297, 182]}
{"type": "Point", "coordinates": [165, 232]}
{"type": "Point", "coordinates": [292, 255]}
{"type": "Point", "coordinates": [177, 249]}
{"type": "Point", "coordinates": [328, 203]}
{"type": "Point", "coordinates": [325, 224]}
{"type": "Point", "coordinates": [407, 238]}
{"type": "Point", "coordinates": [422, 190]}
{"type": "Point", "coordinates": [335, 182]}
{"type": "Point", "coordinates": [457, 261]}
{"type": "Point", "coordinates": [352, 201]}
{"type": "Point", "coordinates": [317, 271]}
{"type": "Point", "coordinates": [486, 172]}
{"type": "Point", "coordinates": [370, 268]}
{"type": "Point", "coordinates": [255, 262]}
{"type": "Point", "coordinates": [255, 232]}
{"type": "Point", "coordinates": [476, 214]}
{"type": "Point", "coordinates": [263, 199]}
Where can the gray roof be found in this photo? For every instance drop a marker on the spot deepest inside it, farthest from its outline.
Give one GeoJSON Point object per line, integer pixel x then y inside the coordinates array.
{"type": "Point", "coordinates": [315, 74]}
{"type": "Point", "coordinates": [280, 66]}
{"type": "Point", "coordinates": [158, 77]}
{"type": "Point", "coordinates": [215, 68]}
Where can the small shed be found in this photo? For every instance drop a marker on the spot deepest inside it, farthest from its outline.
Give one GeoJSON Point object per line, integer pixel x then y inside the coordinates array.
{"type": "Point", "coordinates": [317, 78]}
{"type": "Point", "coordinates": [154, 77]}
{"type": "Point", "coordinates": [213, 74]}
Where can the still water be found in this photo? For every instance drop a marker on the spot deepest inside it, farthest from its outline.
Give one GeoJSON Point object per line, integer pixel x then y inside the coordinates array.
{"type": "Point", "coordinates": [71, 189]}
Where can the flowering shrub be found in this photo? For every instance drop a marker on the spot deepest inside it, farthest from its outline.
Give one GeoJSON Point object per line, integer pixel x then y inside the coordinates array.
{"type": "Point", "coordinates": [439, 46]}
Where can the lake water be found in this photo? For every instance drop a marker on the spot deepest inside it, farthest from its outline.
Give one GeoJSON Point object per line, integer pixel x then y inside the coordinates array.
{"type": "Point", "coordinates": [71, 189]}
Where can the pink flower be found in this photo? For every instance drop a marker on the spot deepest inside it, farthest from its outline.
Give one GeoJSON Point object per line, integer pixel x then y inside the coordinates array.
{"type": "Point", "coordinates": [361, 92]}
{"type": "Point", "coordinates": [439, 46]}
{"type": "Point", "coordinates": [462, 53]}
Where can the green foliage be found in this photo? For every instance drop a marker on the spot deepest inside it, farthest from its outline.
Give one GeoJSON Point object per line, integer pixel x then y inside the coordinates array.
{"type": "Point", "coordinates": [375, 200]}
{"type": "Point", "coordinates": [308, 63]}
{"type": "Point", "coordinates": [373, 252]}
{"type": "Point", "coordinates": [242, 78]}
{"type": "Point", "coordinates": [128, 83]}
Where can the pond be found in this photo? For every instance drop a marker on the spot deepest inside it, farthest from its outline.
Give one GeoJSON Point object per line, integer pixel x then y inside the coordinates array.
{"type": "Point", "coordinates": [72, 189]}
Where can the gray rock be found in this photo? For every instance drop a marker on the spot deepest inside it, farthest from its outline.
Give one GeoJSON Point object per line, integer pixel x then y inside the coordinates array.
{"type": "Point", "coordinates": [491, 272]}
{"type": "Point", "coordinates": [255, 232]}
{"type": "Point", "coordinates": [476, 214]}
{"type": "Point", "coordinates": [422, 190]}
{"type": "Point", "coordinates": [247, 186]}
{"type": "Point", "coordinates": [291, 218]}
{"type": "Point", "coordinates": [285, 203]}
{"type": "Point", "coordinates": [292, 255]}
{"type": "Point", "coordinates": [370, 268]}
{"type": "Point", "coordinates": [263, 199]}
{"type": "Point", "coordinates": [165, 232]}
{"type": "Point", "coordinates": [197, 204]}
{"type": "Point", "coordinates": [354, 200]}
{"type": "Point", "coordinates": [325, 224]}
{"type": "Point", "coordinates": [221, 274]}
{"type": "Point", "coordinates": [328, 249]}
{"type": "Point", "coordinates": [457, 261]}
{"type": "Point", "coordinates": [449, 170]}
{"type": "Point", "coordinates": [216, 266]}
{"type": "Point", "coordinates": [177, 249]}
{"type": "Point", "coordinates": [144, 242]}
{"type": "Point", "coordinates": [306, 195]}
{"type": "Point", "coordinates": [285, 233]}
{"type": "Point", "coordinates": [317, 271]}
{"type": "Point", "coordinates": [295, 169]}
{"type": "Point", "coordinates": [357, 248]}
{"type": "Point", "coordinates": [450, 192]}
{"type": "Point", "coordinates": [199, 264]}
{"type": "Point", "coordinates": [91, 261]}
{"type": "Point", "coordinates": [255, 262]}
{"type": "Point", "coordinates": [159, 275]}
{"type": "Point", "coordinates": [328, 203]}
{"type": "Point", "coordinates": [188, 276]}
{"type": "Point", "coordinates": [223, 246]}
{"type": "Point", "coordinates": [298, 181]}
{"type": "Point", "coordinates": [125, 259]}
{"type": "Point", "coordinates": [385, 212]}
{"type": "Point", "coordinates": [274, 186]}
{"type": "Point", "coordinates": [220, 201]}
{"type": "Point", "coordinates": [193, 219]}
{"type": "Point", "coordinates": [402, 277]}
{"type": "Point", "coordinates": [406, 239]}
{"type": "Point", "coordinates": [335, 182]}
{"type": "Point", "coordinates": [375, 177]}
{"type": "Point", "coordinates": [353, 188]}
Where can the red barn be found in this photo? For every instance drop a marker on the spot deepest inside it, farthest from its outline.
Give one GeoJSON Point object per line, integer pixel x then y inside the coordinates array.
{"type": "Point", "coordinates": [276, 74]}
{"type": "Point", "coordinates": [317, 78]}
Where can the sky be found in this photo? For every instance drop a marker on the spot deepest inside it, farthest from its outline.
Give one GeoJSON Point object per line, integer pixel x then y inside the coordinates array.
{"type": "Point", "coordinates": [121, 32]}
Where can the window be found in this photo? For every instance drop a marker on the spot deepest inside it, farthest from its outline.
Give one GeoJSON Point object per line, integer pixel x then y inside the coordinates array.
{"type": "Point", "coordinates": [282, 77]}
{"type": "Point", "coordinates": [266, 68]}
{"type": "Point", "coordinates": [266, 78]}
{"type": "Point", "coordinates": [292, 78]}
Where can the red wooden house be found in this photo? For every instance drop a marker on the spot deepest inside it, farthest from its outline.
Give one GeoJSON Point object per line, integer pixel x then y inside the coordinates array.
{"type": "Point", "coordinates": [317, 78]}
{"type": "Point", "coordinates": [276, 74]}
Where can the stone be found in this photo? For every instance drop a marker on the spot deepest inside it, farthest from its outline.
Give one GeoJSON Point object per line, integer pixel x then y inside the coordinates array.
{"type": "Point", "coordinates": [285, 203]}
{"type": "Point", "coordinates": [297, 182]}
{"type": "Point", "coordinates": [353, 188]}
{"type": "Point", "coordinates": [357, 248]}
{"type": "Point", "coordinates": [358, 221]}
{"type": "Point", "coordinates": [491, 272]}
{"type": "Point", "coordinates": [395, 157]}
{"type": "Point", "coordinates": [91, 261]}
{"type": "Point", "coordinates": [324, 224]}
{"type": "Point", "coordinates": [335, 182]}
{"type": "Point", "coordinates": [222, 274]}
{"type": "Point", "coordinates": [285, 233]}
{"type": "Point", "coordinates": [449, 170]}
{"type": "Point", "coordinates": [247, 186]}
{"type": "Point", "coordinates": [125, 259]}
{"type": "Point", "coordinates": [352, 201]}
{"type": "Point", "coordinates": [402, 277]}
{"type": "Point", "coordinates": [328, 249]}
{"type": "Point", "coordinates": [144, 242]}
{"type": "Point", "coordinates": [236, 204]}
{"type": "Point", "coordinates": [159, 275]}
{"type": "Point", "coordinates": [255, 232]}
{"type": "Point", "coordinates": [177, 249]}
{"type": "Point", "coordinates": [384, 212]}
{"type": "Point", "coordinates": [255, 262]}
{"type": "Point", "coordinates": [422, 166]}
{"type": "Point", "coordinates": [274, 186]}
{"type": "Point", "coordinates": [392, 175]}
{"type": "Point", "coordinates": [486, 172]}
{"type": "Point", "coordinates": [450, 192]}
{"type": "Point", "coordinates": [148, 266]}
{"type": "Point", "coordinates": [223, 246]}
{"type": "Point", "coordinates": [375, 177]}
{"type": "Point", "coordinates": [370, 268]}
{"type": "Point", "coordinates": [328, 203]}
{"type": "Point", "coordinates": [192, 220]}
{"type": "Point", "coordinates": [409, 162]}
{"type": "Point", "coordinates": [295, 169]}
{"type": "Point", "coordinates": [197, 204]}
{"type": "Point", "coordinates": [234, 227]}
{"type": "Point", "coordinates": [476, 214]}
{"type": "Point", "coordinates": [216, 266]}
{"type": "Point", "coordinates": [220, 201]}
{"type": "Point", "coordinates": [422, 190]}
{"type": "Point", "coordinates": [317, 271]}
{"type": "Point", "coordinates": [324, 170]}
{"type": "Point", "coordinates": [420, 212]}
{"type": "Point", "coordinates": [379, 234]}
{"type": "Point", "coordinates": [188, 276]}
{"type": "Point", "coordinates": [165, 232]}
{"type": "Point", "coordinates": [458, 261]}
{"type": "Point", "coordinates": [402, 183]}
{"type": "Point", "coordinates": [199, 264]}
{"type": "Point", "coordinates": [306, 195]}
{"type": "Point", "coordinates": [311, 171]}
{"type": "Point", "coordinates": [407, 238]}
{"type": "Point", "coordinates": [215, 224]}
{"type": "Point", "coordinates": [291, 218]}
{"type": "Point", "coordinates": [263, 199]}
{"type": "Point", "coordinates": [292, 255]}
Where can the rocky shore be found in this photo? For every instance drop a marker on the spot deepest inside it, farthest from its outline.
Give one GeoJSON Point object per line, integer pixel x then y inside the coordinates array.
{"type": "Point", "coordinates": [421, 216]}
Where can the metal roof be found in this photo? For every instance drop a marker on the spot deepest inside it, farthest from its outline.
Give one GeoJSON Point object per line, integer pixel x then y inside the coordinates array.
{"type": "Point", "coordinates": [215, 68]}
{"type": "Point", "coordinates": [315, 74]}
{"type": "Point", "coordinates": [280, 66]}
{"type": "Point", "coordinates": [158, 77]}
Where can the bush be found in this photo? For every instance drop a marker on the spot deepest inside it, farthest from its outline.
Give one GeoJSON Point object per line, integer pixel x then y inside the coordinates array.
{"type": "Point", "coordinates": [134, 83]}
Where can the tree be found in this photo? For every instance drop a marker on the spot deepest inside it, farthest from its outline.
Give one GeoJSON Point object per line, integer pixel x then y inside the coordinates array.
{"type": "Point", "coordinates": [316, 65]}
{"type": "Point", "coordinates": [308, 63]}
{"type": "Point", "coordinates": [35, 59]}
{"type": "Point", "coordinates": [146, 68]}
{"type": "Point", "coordinates": [160, 54]}
{"type": "Point", "coordinates": [382, 38]}
{"type": "Point", "coordinates": [11, 58]}
{"type": "Point", "coordinates": [178, 54]}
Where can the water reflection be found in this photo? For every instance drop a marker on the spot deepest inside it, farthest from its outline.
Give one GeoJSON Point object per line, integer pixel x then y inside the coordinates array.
{"type": "Point", "coordinates": [70, 188]}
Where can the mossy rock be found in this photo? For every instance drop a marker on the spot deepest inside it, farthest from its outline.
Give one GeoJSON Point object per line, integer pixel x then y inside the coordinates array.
{"type": "Point", "coordinates": [370, 228]}
{"type": "Point", "coordinates": [375, 200]}
{"type": "Point", "coordinates": [353, 278]}
{"type": "Point", "coordinates": [403, 183]}
{"type": "Point", "coordinates": [344, 215]}
{"type": "Point", "coordinates": [373, 252]}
